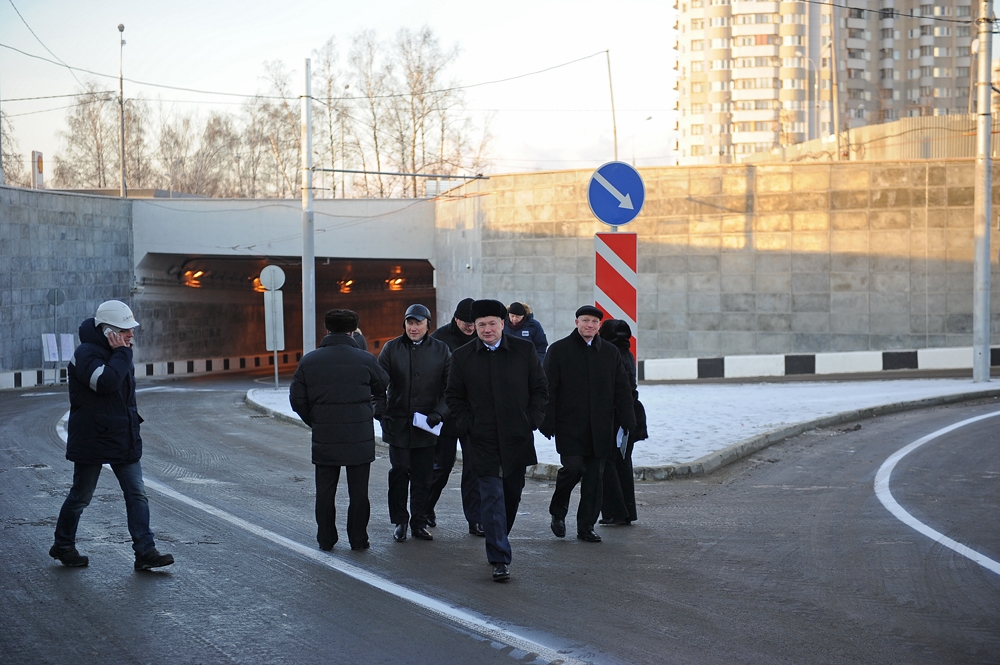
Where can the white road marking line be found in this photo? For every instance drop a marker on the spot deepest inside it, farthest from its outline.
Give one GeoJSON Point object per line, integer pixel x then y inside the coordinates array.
{"type": "Point", "coordinates": [885, 496]}
{"type": "Point", "coordinates": [466, 619]}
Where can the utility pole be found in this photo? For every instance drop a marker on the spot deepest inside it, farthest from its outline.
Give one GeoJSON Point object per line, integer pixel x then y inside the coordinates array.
{"type": "Point", "coordinates": [982, 209]}
{"type": "Point", "coordinates": [121, 109]}
{"type": "Point", "coordinates": [308, 239]}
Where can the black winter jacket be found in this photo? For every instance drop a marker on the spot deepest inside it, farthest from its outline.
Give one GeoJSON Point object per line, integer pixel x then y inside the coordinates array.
{"type": "Point", "coordinates": [498, 399]}
{"type": "Point", "coordinates": [531, 330]}
{"type": "Point", "coordinates": [588, 389]}
{"type": "Point", "coordinates": [103, 420]}
{"type": "Point", "coordinates": [418, 374]}
{"type": "Point", "coordinates": [453, 336]}
{"type": "Point", "coordinates": [334, 391]}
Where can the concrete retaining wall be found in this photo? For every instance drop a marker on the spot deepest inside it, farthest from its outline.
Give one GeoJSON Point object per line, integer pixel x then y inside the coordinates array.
{"type": "Point", "coordinates": [80, 244]}
{"type": "Point", "coordinates": [739, 260]}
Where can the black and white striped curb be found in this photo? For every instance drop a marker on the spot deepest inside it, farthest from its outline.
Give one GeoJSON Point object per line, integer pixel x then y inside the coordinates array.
{"type": "Point", "coordinates": [156, 370]}
{"type": "Point", "coordinates": [852, 362]}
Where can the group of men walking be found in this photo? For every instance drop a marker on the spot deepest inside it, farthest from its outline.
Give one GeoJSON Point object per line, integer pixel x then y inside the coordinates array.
{"type": "Point", "coordinates": [466, 383]}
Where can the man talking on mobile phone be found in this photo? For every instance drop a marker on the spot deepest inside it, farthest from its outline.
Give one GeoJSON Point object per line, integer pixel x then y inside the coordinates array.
{"type": "Point", "coordinates": [104, 429]}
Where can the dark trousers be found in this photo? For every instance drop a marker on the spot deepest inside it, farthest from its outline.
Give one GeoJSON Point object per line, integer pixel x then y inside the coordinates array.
{"type": "Point", "coordinates": [444, 462]}
{"type": "Point", "coordinates": [358, 510]}
{"type": "Point", "coordinates": [500, 498]}
{"type": "Point", "coordinates": [136, 504]}
{"type": "Point", "coordinates": [619, 487]}
{"type": "Point", "coordinates": [411, 470]}
{"type": "Point", "coordinates": [586, 470]}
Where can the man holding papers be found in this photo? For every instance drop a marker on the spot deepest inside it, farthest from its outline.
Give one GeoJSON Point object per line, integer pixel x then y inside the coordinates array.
{"type": "Point", "coordinates": [417, 365]}
{"type": "Point", "coordinates": [589, 394]}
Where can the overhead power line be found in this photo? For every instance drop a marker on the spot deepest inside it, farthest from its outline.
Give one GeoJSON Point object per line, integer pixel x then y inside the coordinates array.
{"type": "Point", "coordinates": [75, 94]}
{"type": "Point", "coordinates": [38, 39]}
{"type": "Point", "coordinates": [296, 97]}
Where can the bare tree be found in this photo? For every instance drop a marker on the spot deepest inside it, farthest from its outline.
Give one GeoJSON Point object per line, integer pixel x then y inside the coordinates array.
{"type": "Point", "coordinates": [14, 171]}
{"type": "Point", "coordinates": [283, 130]}
{"type": "Point", "coordinates": [373, 77]}
{"type": "Point", "coordinates": [139, 171]}
{"type": "Point", "coordinates": [254, 148]}
{"type": "Point", "coordinates": [91, 141]}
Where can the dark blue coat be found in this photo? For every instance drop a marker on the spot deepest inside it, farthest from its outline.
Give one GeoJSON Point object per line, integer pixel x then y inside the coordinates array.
{"type": "Point", "coordinates": [103, 420]}
{"type": "Point", "coordinates": [334, 391]}
{"type": "Point", "coordinates": [531, 330]}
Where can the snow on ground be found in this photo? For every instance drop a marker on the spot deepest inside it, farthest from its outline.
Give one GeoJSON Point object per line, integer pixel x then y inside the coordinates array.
{"type": "Point", "coordinates": [688, 421]}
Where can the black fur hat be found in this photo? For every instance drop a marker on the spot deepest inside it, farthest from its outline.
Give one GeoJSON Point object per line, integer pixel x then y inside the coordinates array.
{"type": "Point", "coordinates": [482, 308]}
{"type": "Point", "coordinates": [341, 321]}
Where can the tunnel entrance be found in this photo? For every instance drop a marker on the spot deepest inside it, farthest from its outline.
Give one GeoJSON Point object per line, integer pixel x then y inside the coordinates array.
{"type": "Point", "coordinates": [210, 306]}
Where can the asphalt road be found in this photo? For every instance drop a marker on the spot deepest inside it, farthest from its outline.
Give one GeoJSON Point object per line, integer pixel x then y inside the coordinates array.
{"type": "Point", "coordinates": [786, 557]}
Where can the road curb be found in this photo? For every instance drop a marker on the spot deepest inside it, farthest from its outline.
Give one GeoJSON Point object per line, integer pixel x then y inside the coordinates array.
{"type": "Point", "coordinates": [714, 461]}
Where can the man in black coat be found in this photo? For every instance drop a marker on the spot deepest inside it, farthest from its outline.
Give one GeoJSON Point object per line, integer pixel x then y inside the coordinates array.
{"type": "Point", "coordinates": [459, 332]}
{"type": "Point", "coordinates": [417, 365]}
{"type": "Point", "coordinates": [496, 390]}
{"type": "Point", "coordinates": [334, 391]}
{"type": "Point", "coordinates": [588, 387]}
{"type": "Point", "coordinates": [104, 429]}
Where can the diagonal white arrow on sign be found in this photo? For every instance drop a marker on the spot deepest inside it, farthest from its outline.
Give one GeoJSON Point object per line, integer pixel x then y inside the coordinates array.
{"type": "Point", "coordinates": [623, 201]}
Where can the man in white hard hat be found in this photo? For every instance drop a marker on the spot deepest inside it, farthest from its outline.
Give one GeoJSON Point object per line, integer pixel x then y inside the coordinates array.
{"type": "Point", "coordinates": [104, 429]}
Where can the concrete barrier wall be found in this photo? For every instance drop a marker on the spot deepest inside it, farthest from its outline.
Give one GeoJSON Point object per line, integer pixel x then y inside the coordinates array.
{"type": "Point", "coordinates": [80, 244]}
{"type": "Point", "coordinates": [740, 260]}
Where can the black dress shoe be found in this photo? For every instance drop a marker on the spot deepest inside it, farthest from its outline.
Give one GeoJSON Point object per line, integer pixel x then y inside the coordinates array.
{"type": "Point", "coordinates": [476, 529]}
{"type": "Point", "coordinates": [615, 521]}
{"type": "Point", "coordinates": [558, 527]}
{"type": "Point", "coordinates": [399, 533]}
{"type": "Point", "coordinates": [432, 521]}
{"type": "Point", "coordinates": [589, 536]}
{"type": "Point", "coordinates": [363, 546]}
{"type": "Point", "coordinates": [501, 572]}
{"type": "Point", "coordinates": [421, 533]}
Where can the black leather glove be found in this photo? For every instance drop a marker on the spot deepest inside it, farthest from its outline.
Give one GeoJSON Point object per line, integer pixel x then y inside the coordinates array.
{"type": "Point", "coordinates": [434, 419]}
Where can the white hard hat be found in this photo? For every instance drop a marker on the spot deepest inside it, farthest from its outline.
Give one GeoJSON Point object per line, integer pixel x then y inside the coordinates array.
{"type": "Point", "coordinates": [115, 313]}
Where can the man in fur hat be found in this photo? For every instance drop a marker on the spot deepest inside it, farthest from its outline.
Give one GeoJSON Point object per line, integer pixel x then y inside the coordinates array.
{"type": "Point", "coordinates": [333, 391]}
{"type": "Point", "coordinates": [496, 390]}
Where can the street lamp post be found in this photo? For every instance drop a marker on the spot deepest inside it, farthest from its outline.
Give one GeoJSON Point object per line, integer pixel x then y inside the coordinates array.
{"type": "Point", "coordinates": [121, 109]}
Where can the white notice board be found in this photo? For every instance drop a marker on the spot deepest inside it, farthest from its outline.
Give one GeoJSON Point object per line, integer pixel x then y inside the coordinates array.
{"type": "Point", "coordinates": [67, 344]}
{"type": "Point", "coordinates": [50, 350]}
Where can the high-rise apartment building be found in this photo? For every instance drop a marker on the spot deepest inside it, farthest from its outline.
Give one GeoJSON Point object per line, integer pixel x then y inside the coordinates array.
{"type": "Point", "coordinates": [755, 76]}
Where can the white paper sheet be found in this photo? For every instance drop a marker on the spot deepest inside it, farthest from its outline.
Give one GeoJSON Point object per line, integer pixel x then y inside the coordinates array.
{"type": "Point", "coordinates": [420, 420]}
{"type": "Point", "coordinates": [622, 440]}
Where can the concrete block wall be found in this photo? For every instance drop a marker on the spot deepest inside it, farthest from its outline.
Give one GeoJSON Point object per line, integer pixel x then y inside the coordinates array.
{"type": "Point", "coordinates": [743, 260]}
{"type": "Point", "coordinates": [80, 244]}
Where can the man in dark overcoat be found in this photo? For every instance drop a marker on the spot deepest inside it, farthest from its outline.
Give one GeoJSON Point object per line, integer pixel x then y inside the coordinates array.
{"type": "Point", "coordinates": [459, 332]}
{"type": "Point", "coordinates": [417, 365]}
{"type": "Point", "coordinates": [588, 387]}
{"type": "Point", "coordinates": [334, 391]}
{"type": "Point", "coordinates": [496, 390]}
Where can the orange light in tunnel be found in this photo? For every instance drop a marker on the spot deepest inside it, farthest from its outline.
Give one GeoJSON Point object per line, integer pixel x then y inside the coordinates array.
{"type": "Point", "coordinates": [257, 286]}
{"type": "Point", "coordinates": [344, 285]}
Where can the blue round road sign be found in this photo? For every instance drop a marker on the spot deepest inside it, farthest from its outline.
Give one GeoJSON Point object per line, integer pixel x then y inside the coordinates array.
{"type": "Point", "coordinates": [616, 193]}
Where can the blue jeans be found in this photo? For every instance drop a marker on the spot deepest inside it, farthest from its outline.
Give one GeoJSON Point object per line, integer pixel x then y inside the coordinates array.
{"type": "Point", "coordinates": [136, 504]}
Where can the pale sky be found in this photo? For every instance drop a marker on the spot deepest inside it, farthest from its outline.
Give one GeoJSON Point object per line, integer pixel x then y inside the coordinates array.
{"type": "Point", "coordinates": [556, 120]}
